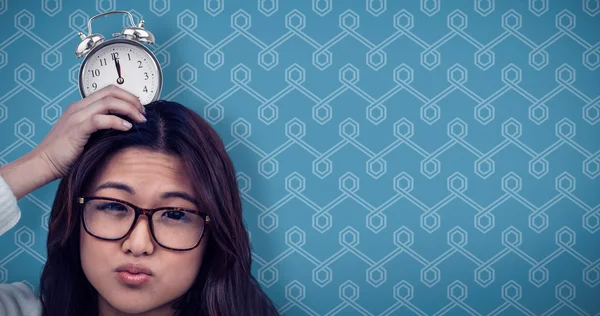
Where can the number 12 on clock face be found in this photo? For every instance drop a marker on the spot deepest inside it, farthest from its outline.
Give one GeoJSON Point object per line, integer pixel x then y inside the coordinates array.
{"type": "Point", "coordinates": [127, 65]}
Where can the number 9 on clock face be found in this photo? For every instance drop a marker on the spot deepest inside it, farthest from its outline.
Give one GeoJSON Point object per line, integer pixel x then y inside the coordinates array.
{"type": "Point", "coordinates": [125, 64]}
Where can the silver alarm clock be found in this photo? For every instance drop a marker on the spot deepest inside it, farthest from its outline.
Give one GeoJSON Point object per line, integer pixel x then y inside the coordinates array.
{"type": "Point", "coordinates": [123, 61]}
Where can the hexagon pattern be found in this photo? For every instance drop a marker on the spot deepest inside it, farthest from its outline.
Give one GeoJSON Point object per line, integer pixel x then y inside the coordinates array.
{"type": "Point", "coordinates": [418, 157]}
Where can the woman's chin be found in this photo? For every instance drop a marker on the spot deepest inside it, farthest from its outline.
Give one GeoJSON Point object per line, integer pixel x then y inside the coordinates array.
{"type": "Point", "coordinates": [130, 302]}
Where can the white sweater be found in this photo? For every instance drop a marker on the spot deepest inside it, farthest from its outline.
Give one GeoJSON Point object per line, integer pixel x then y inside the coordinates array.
{"type": "Point", "coordinates": [16, 299]}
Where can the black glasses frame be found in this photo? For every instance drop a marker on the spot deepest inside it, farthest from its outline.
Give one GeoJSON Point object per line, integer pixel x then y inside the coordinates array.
{"type": "Point", "coordinates": [139, 212]}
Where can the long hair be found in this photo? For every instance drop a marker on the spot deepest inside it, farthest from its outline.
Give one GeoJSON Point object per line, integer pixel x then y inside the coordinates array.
{"type": "Point", "coordinates": [225, 285]}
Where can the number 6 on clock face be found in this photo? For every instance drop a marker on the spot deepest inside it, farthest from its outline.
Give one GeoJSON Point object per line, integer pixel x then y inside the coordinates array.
{"type": "Point", "coordinates": [125, 64]}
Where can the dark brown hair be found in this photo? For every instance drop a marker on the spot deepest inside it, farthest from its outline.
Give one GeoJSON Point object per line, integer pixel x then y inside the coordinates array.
{"type": "Point", "coordinates": [225, 285]}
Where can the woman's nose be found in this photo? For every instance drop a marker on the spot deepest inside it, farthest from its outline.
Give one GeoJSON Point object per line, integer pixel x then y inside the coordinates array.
{"type": "Point", "coordinates": [139, 241]}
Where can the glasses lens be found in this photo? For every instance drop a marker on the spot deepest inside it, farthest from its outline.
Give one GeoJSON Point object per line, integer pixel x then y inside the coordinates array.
{"type": "Point", "coordinates": [177, 229]}
{"type": "Point", "coordinates": [107, 219]}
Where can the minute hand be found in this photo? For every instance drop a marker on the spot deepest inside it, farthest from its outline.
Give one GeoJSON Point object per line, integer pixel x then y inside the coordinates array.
{"type": "Point", "coordinates": [120, 80]}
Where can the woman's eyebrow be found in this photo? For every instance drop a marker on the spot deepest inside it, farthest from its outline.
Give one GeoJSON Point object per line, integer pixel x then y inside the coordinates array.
{"type": "Point", "coordinates": [130, 190]}
{"type": "Point", "coordinates": [115, 185]}
{"type": "Point", "coordinates": [178, 194]}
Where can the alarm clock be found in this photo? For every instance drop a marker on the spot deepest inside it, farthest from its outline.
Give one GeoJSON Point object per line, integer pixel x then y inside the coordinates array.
{"type": "Point", "coordinates": [123, 61]}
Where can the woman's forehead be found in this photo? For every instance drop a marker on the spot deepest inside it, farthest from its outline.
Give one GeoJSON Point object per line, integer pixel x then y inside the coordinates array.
{"type": "Point", "coordinates": [145, 169]}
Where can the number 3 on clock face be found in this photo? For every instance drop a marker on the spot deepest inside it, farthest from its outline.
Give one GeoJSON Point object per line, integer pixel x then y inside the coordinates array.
{"type": "Point", "coordinates": [125, 64]}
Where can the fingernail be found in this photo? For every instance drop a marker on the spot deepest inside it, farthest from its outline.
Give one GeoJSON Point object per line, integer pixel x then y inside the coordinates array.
{"type": "Point", "coordinates": [143, 117]}
{"type": "Point", "coordinates": [127, 124]}
{"type": "Point", "coordinates": [143, 109]}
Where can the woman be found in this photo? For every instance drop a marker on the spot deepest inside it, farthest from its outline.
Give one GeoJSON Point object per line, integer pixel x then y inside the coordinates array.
{"type": "Point", "coordinates": [107, 253]}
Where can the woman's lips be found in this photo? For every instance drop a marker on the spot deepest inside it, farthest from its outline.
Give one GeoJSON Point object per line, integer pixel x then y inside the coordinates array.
{"type": "Point", "coordinates": [133, 274]}
{"type": "Point", "coordinates": [133, 278]}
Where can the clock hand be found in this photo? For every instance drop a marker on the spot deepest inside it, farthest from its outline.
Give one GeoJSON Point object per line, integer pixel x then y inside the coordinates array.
{"type": "Point", "coordinates": [120, 80]}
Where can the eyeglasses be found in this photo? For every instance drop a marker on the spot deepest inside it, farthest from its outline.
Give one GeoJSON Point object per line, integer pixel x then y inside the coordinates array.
{"type": "Point", "coordinates": [173, 228]}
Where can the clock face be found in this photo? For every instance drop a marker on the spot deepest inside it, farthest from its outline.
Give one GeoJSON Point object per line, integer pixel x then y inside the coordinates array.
{"type": "Point", "coordinates": [125, 64]}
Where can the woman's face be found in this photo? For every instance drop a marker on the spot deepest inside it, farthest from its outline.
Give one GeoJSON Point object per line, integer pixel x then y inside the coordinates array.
{"type": "Point", "coordinates": [140, 177]}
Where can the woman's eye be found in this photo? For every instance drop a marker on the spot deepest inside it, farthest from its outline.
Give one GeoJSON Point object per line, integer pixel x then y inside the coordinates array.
{"type": "Point", "coordinates": [175, 215]}
{"type": "Point", "coordinates": [117, 207]}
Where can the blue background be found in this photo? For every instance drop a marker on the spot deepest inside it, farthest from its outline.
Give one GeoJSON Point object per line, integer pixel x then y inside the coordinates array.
{"type": "Point", "coordinates": [394, 157]}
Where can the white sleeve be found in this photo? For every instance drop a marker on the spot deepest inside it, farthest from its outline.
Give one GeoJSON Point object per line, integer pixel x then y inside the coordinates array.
{"type": "Point", "coordinates": [17, 299]}
{"type": "Point", "coordinates": [10, 213]}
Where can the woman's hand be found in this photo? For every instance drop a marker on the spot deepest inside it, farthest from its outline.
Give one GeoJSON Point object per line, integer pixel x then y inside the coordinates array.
{"type": "Point", "coordinates": [52, 158]}
{"type": "Point", "coordinates": [65, 141]}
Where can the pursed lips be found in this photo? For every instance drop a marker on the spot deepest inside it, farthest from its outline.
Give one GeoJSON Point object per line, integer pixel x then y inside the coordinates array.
{"type": "Point", "coordinates": [134, 269]}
